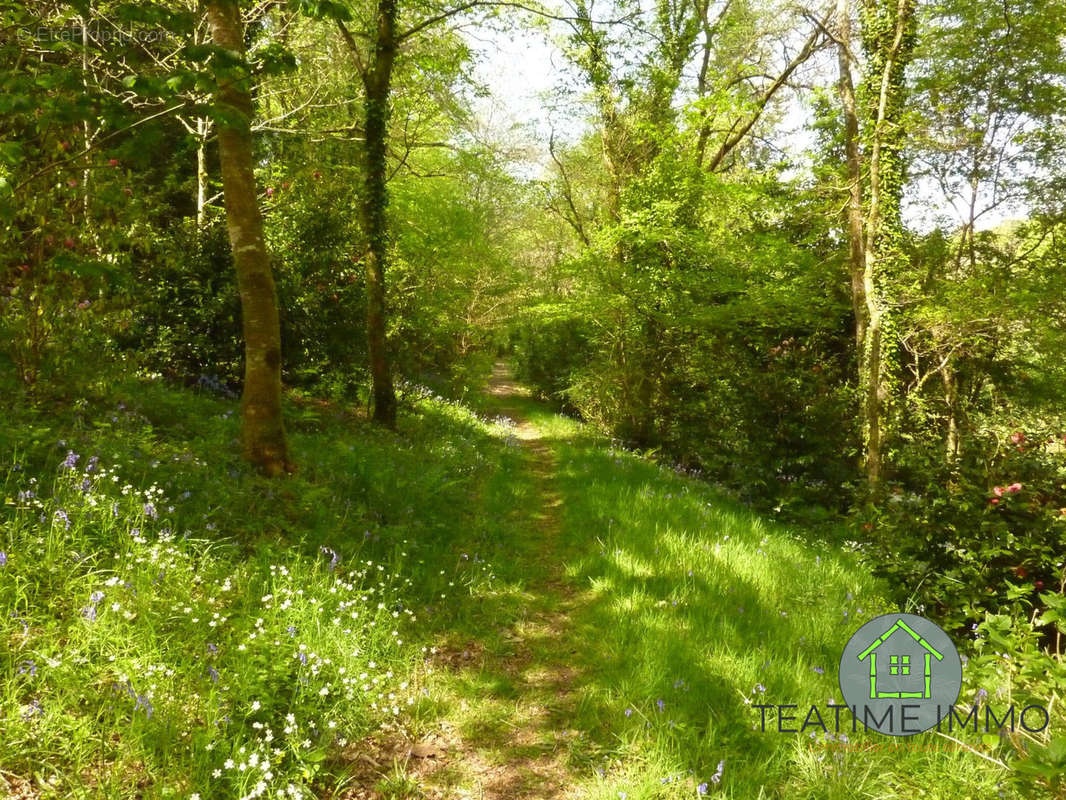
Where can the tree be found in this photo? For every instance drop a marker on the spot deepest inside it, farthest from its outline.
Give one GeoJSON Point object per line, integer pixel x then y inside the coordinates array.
{"type": "Point", "coordinates": [263, 429]}
{"type": "Point", "coordinates": [888, 36]}
{"type": "Point", "coordinates": [377, 81]}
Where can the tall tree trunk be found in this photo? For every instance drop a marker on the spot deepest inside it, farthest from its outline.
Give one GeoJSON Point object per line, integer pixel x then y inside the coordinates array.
{"type": "Point", "coordinates": [202, 130]}
{"type": "Point", "coordinates": [377, 80]}
{"type": "Point", "coordinates": [888, 34]}
{"type": "Point", "coordinates": [951, 400]}
{"type": "Point", "coordinates": [263, 431]}
{"type": "Point", "coordinates": [853, 167]}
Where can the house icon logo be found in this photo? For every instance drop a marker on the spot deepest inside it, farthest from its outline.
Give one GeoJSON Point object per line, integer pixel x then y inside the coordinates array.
{"type": "Point", "coordinates": [900, 674]}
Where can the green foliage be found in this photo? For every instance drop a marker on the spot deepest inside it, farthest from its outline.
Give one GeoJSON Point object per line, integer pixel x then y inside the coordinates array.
{"type": "Point", "coordinates": [1013, 665]}
{"type": "Point", "coordinates": [985, 534]}
{"type": "Point", "coordinates": [186, 316]}
{"type": "Point", "coordinates": [162, 640]}
{"type": "Point", "coordinates": [551, 346]}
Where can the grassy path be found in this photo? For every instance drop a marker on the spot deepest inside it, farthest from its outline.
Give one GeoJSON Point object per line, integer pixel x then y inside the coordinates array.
{"type": "Point", "coordinates": [633, 619]}
{"type": "Point", "coordinates": [506, 736]}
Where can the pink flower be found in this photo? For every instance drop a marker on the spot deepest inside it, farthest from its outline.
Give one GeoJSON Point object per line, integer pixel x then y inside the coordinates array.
{"type": "Point", "coordinates": [270, 191]}
{"type": "Point", "coordinates": [1014, 487]}
{"type": "Point", "coordinates": [998, 491]}
{"type": "Point", "coordinates": [1017, 437]}
{"type": "Point", "coordinates": [994, 501]}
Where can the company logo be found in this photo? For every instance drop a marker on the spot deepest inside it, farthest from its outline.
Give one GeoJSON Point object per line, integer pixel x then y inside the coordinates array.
{"type": "Point", "coordinates": [901, 674]}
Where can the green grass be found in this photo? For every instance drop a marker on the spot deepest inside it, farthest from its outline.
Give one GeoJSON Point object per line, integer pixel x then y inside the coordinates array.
{"type": "Point", "coordinates": [527, 597]}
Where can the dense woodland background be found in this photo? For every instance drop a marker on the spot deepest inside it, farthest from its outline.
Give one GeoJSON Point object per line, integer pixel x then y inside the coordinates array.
{"type": "Point", "coordinates": [813, 254]}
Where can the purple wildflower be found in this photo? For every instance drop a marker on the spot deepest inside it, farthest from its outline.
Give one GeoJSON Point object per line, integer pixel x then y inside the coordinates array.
{"type": "Point", "coordinates": [660, 704]}
{"type": "Point", "coordinates": [62, 515]}
{"type": "Point", "coordinates": [149, 511]}
{"type": "Point", "coordinates": [28, 667]}
{"type": "Point", "coordinates": [33, 709]}
{"type": "Point", "coordinates": [70, 461]}
{"type": "Point", "coordinates": [212, 673]}
{"type": "Point", "coordinates": [716, 778]}
{"type": "Point", "coordinates": [91, 466]}
{"type": "Point", "coordinates": [629, 712]}
{"type": "Point", "coordinates": [3, 559]}
{"type": "Point", "coordinates": [702, 789]}
{"type": "Point", "coordinates": [89, 612]}
{"type": "Point", "coordinates": [142, 701]}
{"type": "Point", "coordinates": [334, 559]}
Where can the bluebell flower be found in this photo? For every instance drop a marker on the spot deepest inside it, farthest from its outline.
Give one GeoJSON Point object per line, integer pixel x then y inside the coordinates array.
{"type": "Point", "coordinates": [33, 710]}
{"type": "Point", "coordinates": [334, 559]}
{"type": "Point", "coordinates": [70, 460]}
{"type": "Point", "coordinates": [61, 514]}
{"type": "Point", "coordinates": [142, 701]}
{"type": "Point", "coordinates": [716, 778]}
{"type": "Point", "coordinates": [702, 789]}
{"type": "Point", "coordinates": [660, 704]}
{"type": "Point", "coordinates": [149, 511]}
{"type": "Point", "coordinates": [3, 559]}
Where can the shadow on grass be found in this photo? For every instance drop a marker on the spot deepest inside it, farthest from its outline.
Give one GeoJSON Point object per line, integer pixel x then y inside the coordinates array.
{"type": "Point", "coordinates": [634, 619]}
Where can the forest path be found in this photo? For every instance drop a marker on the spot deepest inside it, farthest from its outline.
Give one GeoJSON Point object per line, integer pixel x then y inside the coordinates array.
{"type": "Point", "coordinates": [511, 687]}
{"type": "Point", "coordinates": [613, 630]}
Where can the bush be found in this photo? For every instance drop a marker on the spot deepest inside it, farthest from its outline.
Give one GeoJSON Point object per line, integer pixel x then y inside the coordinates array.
{"type": "Point", "coordinates": [986, 534]}
{"type": "Point", "coordinates": [551, 343]}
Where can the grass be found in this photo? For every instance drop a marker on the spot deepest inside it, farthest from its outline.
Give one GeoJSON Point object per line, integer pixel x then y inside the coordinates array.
{"type": "Point", "coordinates": [551, 616]}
